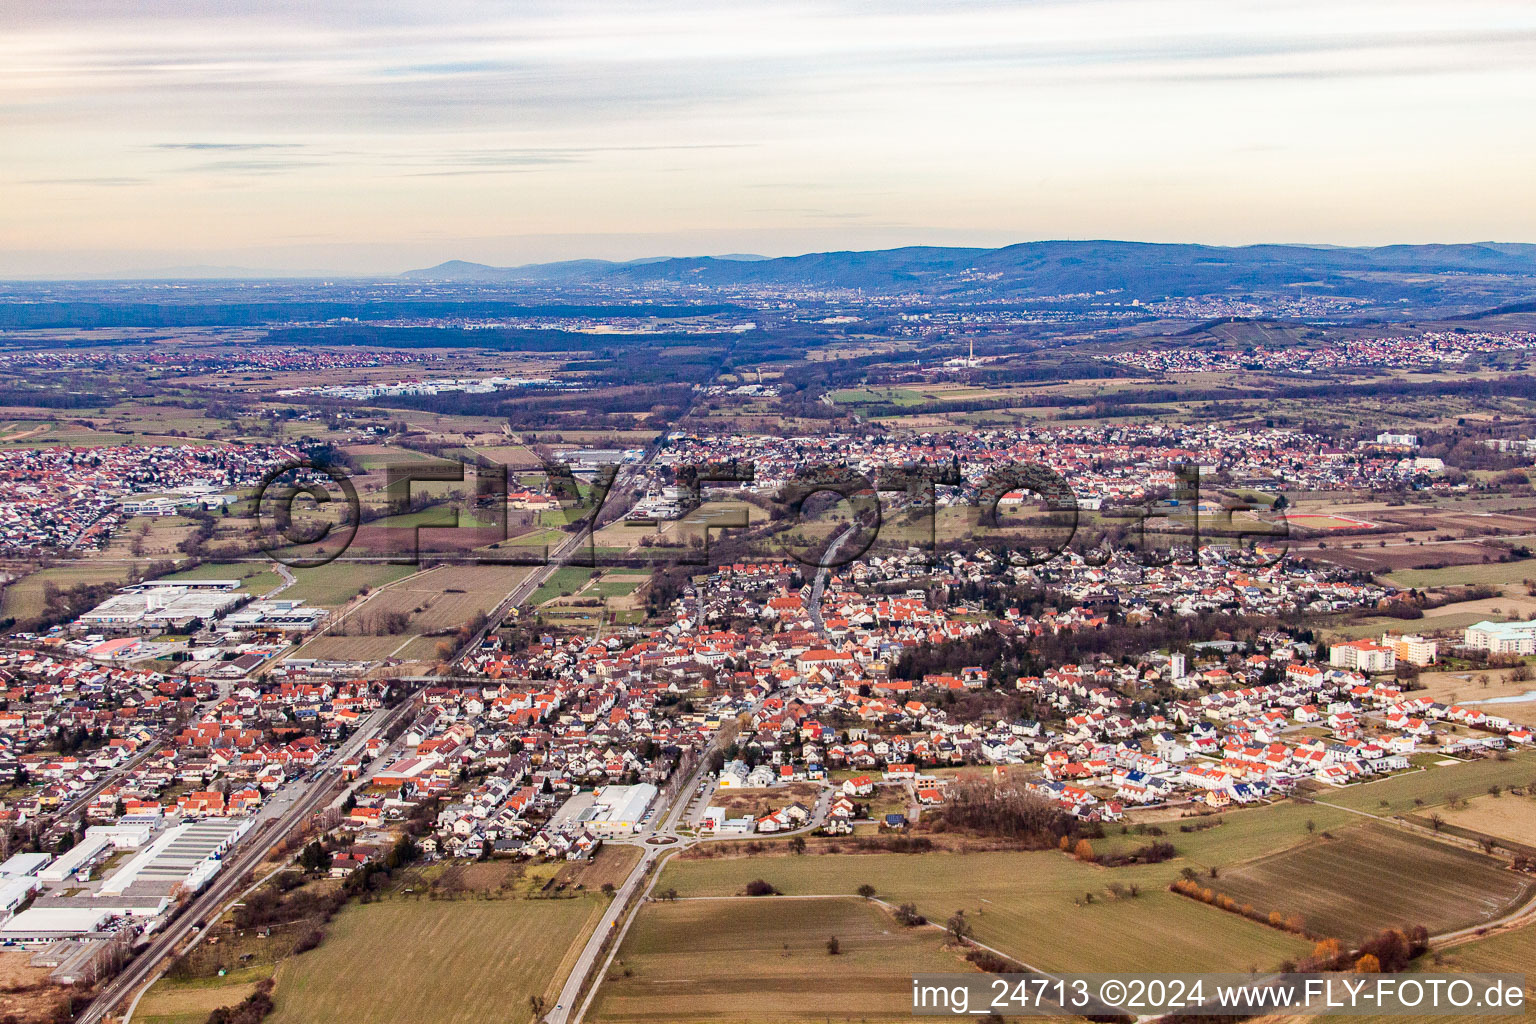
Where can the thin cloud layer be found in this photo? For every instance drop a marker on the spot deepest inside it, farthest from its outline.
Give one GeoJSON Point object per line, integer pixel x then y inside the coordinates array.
{"type": "Point", "coordinates": [382, 132]}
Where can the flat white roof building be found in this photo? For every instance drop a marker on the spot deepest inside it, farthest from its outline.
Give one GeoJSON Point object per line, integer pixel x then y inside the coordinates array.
{"type": "Point", "coordinates": [97, 838]}
{"type": "Point", "coordinates": [184, 855]}
{"type": "Point", "coordinates": [1502, 637]}
{"type": "Point", "coordinates": [47, 924]}
{"type": "Point", "coordinates": [21, 864]}
{"type": "Point", "coordinates": [14, 892]}
{"type": "Point", "coordinates": [618, 809]}
{"type": "Point", "coordinates": [273, 615]}
{"type": "Point", "coordinates": [149, 607]}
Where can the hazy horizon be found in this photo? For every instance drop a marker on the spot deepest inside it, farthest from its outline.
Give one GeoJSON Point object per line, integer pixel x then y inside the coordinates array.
{"type": "Point", "coordinates": [358, 138]}
{"type": "Point", "coordinates": [195, 271]}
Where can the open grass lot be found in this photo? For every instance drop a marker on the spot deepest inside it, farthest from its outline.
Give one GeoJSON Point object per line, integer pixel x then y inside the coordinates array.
{"type": "Point", "coordinates": [427, 962]}
{"type": "Point", "coordinates": [25, 991]}
{"type": "Point", "coordinates": [1371, 877]}
{"type": "Point", "coordinates": [336, 583]}
{"type": "Point", "coordinates": [617, 584]}
{"type": "Point", "coordinates": [190, 1002]}
{"type": "Point", "coordinates": [563, 581]}
{"type": "Point", "coordinates": [758, 802]}
{"type": "Point", "coordinates": [1451, 687]}
{"type": "Point", "coordinates": [24, 596]}
{"type": "Point", "coordinates": [1029, 905]}
{"type": "Point", "coordinates": [356, 648]}
{"type": "Point", "coordinates": [767, 960]}
{"type": "Point", "coordinates": [1434, 786]}
{"type": "Point", "coordinates": [611, 865]}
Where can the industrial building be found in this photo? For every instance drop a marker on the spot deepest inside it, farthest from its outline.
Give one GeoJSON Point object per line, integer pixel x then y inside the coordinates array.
{"type": "Point", "coordinates": [97, 845]}
{"type": "Point", "coordinates": [159, 605]}
{"type": "Point", "coordinates": [43, 925]}
{"type": "Point", "coordinates": [292, 616]}
{"type": "Point", "coordinates": [618, 810]}
{"type": "Point", "coordinates": [181, 858]}
{"type": "Point", "coordinates": [184, 856]}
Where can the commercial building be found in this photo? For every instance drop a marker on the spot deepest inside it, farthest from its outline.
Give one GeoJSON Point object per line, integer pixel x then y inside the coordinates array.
{"type": "Point", "coordinates": [184, 856]}
{"type": "Point", "coordinates": [1502, 637]}
{"type": "Point", "coordinates": [158, 605]}
{"type": "Point", "coordinates": [14, 892]}
{"type": "Point", "coordinates": [99, 839]}
{"type": "Point", "coordinates": [617, 810]}
{"type": "Point", "coordinates": [21, 865]}
{"type": "Point", "coordinates": [42, 925]}
{"type": "Point", "coordinates": [290, 615]}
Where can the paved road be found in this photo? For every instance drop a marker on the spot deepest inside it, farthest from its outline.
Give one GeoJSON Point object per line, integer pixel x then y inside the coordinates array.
{"type": "Point", "coordinates": [80, 802]}
{"type": "Point", "coordinates": [565, 1009]}
{"type": "Point", "coordinates": [289, 579]}
{"type": "Point", "coordinates": [562, 553]}
{"type": "Point", "coordinates": [291, 805]}
{"type": "Point", "coordinates": [820, 585]}
{"type": "Point", "coordinates": [286, 809]}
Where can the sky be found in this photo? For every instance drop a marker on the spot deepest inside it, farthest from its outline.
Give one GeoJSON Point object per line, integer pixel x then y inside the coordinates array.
{"type": "Point", "coordinates": [373, 137]}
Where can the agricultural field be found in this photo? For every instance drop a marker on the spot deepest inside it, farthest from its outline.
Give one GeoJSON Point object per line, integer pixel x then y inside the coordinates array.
{"type": "Point", "coordinates": [1493, 573]}
{"type": "Point", "coordinates": [410, 617]}
{"type": "Point", "coordinates": [1503, 817]}
{"type": "Point", "coordinates": [514, 456]}
{"type": "Point", "coordinates": [1369, 877]}
{"type": "Point", "coordinates": [1513, 950]}
{"type": "Point", "coordinates": [443, 598]}
{"type": "Point", "coordinates": [1327, 521]}
{"type": "Point", "coordinates": [1519, 606]}
{"type": "Point", "coordinates": [873, 396]}
{"type": "Point", "coordinates": [766, 959]}
{"type": "Point", "coordinates": [1234, 836]}
{"type": "Point", "coordinates": [436, 962]}
{"type": "Point", "coordinates": [334, 584]}
{"type": "Point", "coordinates": [1398, 557]}
{"type": "Point", "coordinates": [1031, 906]}
{"type": "Point", "coordinates": [148, 537]}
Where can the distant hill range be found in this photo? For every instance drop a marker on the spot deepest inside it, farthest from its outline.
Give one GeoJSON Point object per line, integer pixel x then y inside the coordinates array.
{"type": "Point", "coordinates": [1486, 272]}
